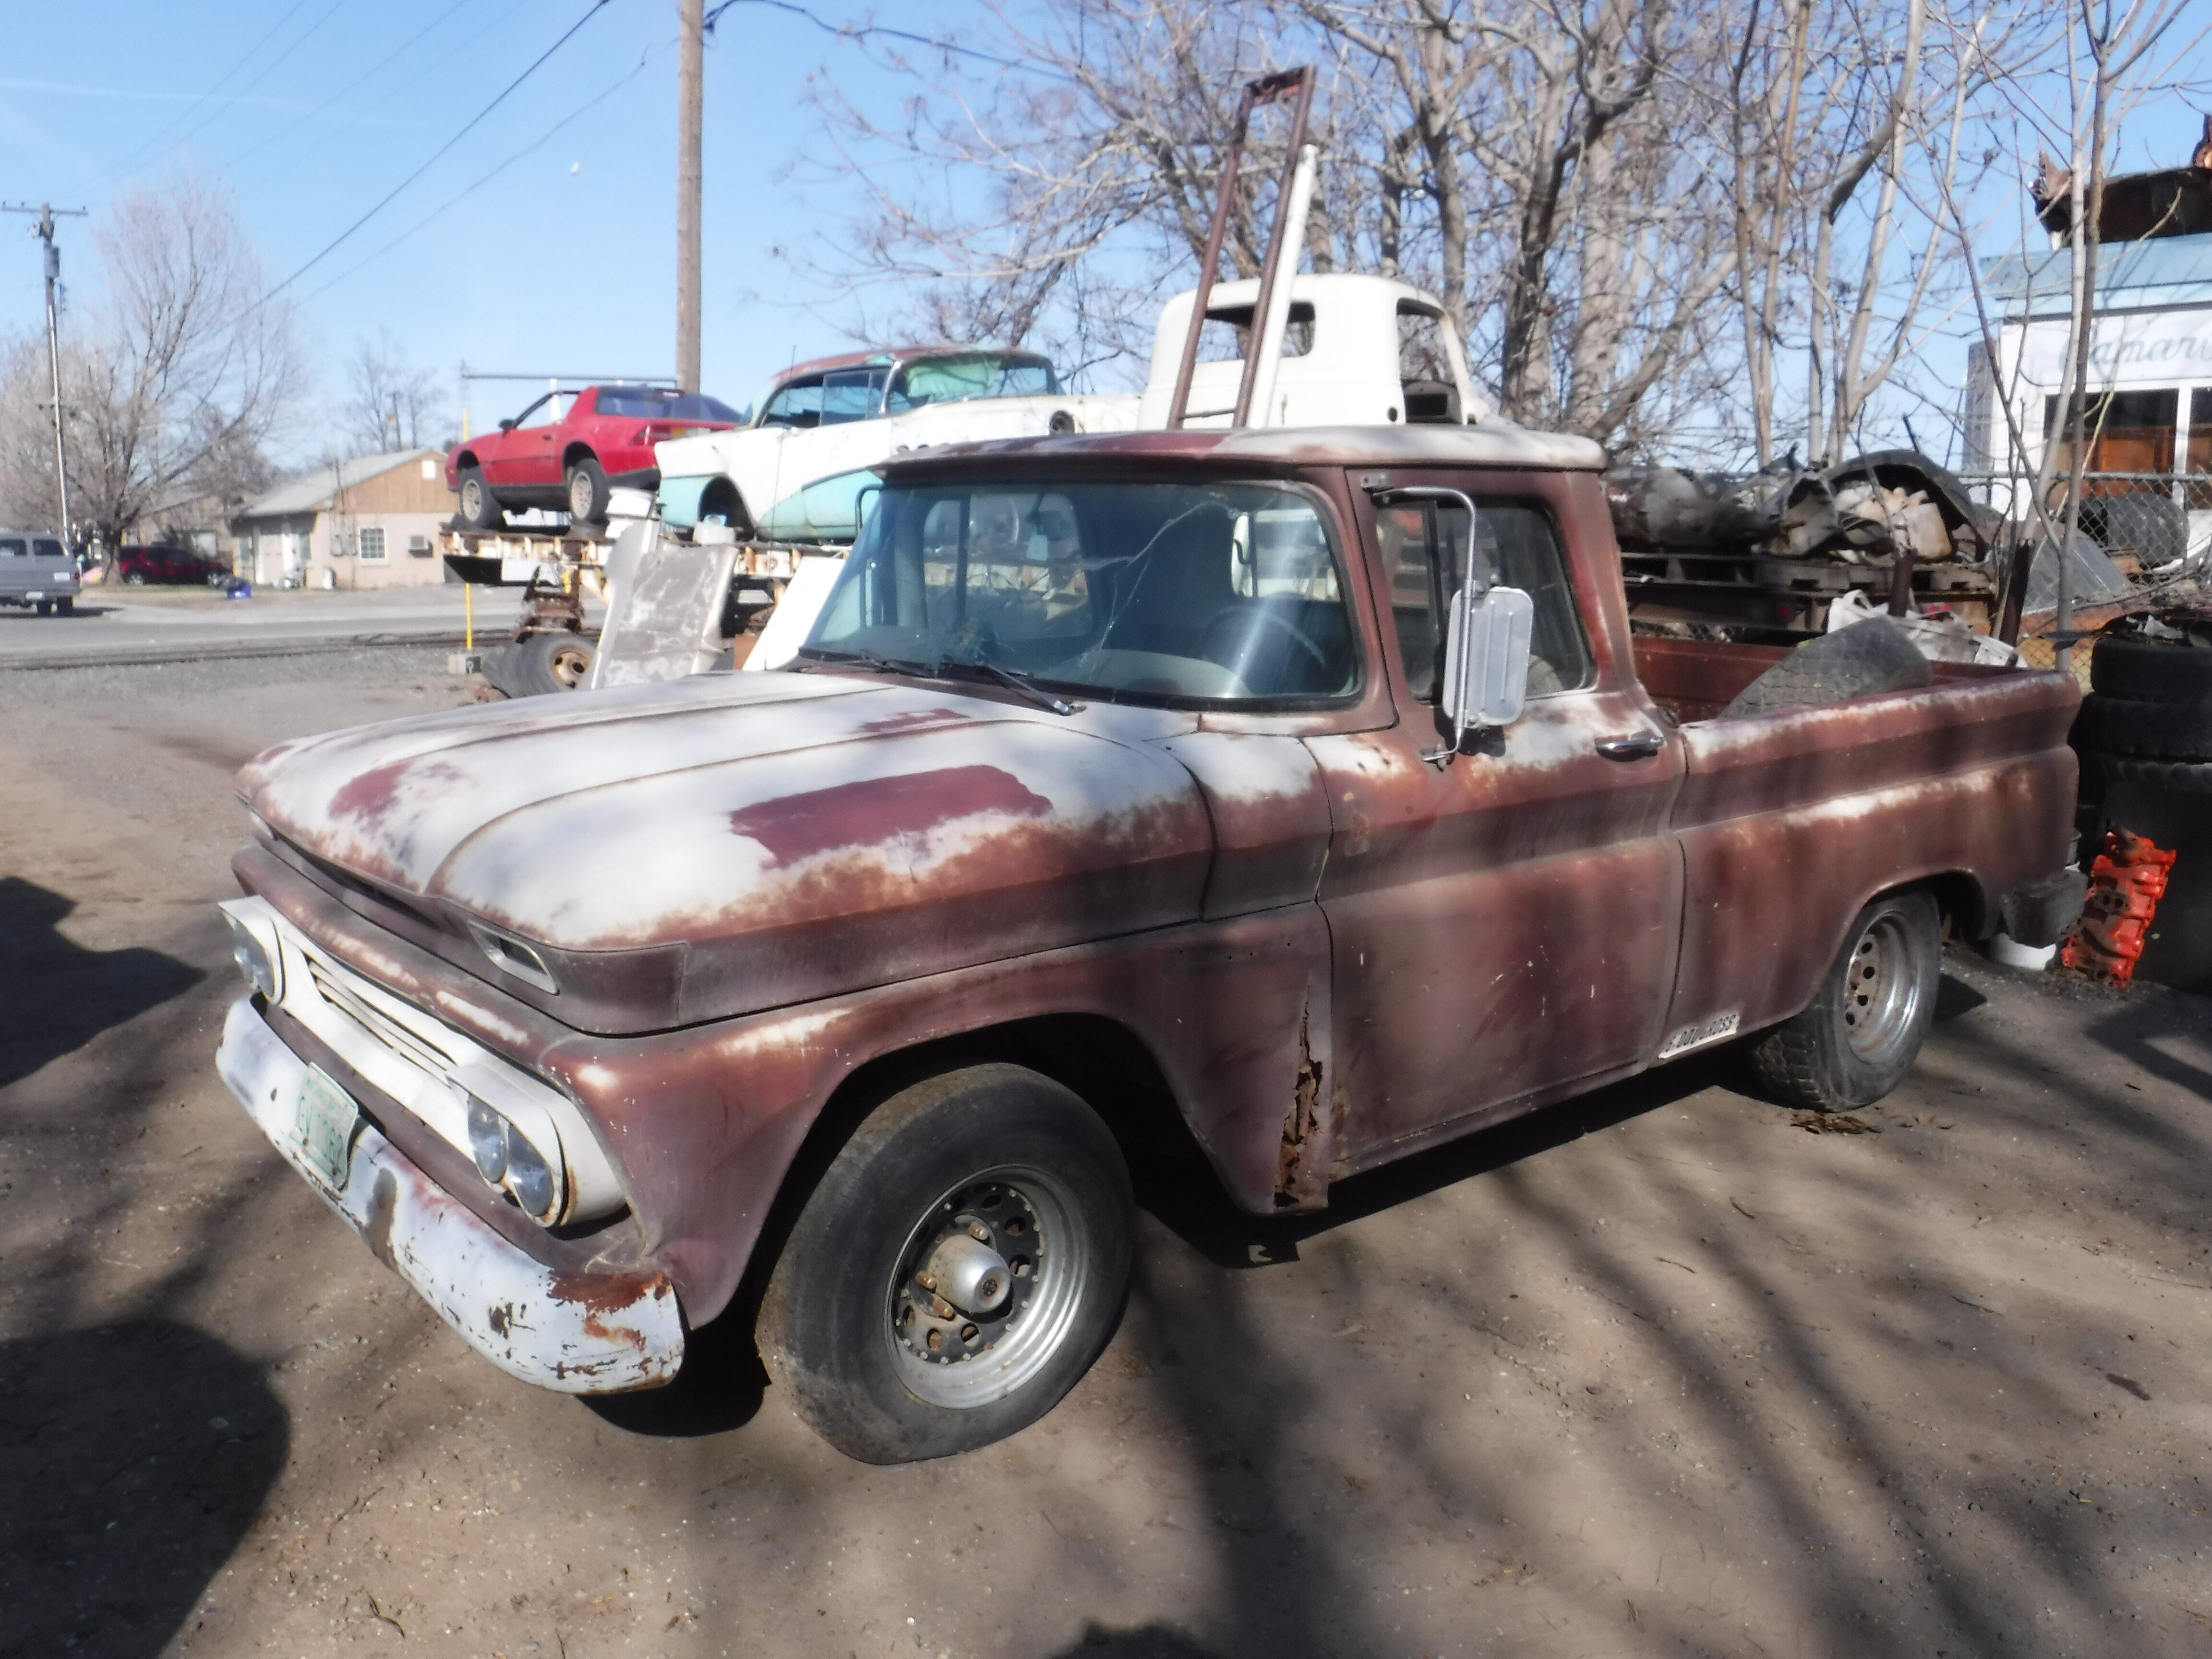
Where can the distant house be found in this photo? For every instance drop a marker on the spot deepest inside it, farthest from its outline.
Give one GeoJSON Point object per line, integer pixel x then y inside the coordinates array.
{"type": "Point", "coordinates": [370, 522]}
{"type": "Point", "coordinates": [2150, 341]}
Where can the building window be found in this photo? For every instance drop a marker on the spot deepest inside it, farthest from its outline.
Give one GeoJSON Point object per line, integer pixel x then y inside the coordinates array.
{"type": "Point", "coordinates": [372, 545]}
{"type": "Point", "coordinates": [2129, 431]}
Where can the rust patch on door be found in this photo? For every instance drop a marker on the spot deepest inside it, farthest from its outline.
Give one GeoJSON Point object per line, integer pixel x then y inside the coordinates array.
{"type": "Point", "coordinates": [1301, 1166]}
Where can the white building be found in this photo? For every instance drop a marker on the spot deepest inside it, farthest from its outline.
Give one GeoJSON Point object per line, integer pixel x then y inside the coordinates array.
{"type": "Point", "coordinates": [370, 522]}
{"type": "Point", "coordinates": [2150, 350]}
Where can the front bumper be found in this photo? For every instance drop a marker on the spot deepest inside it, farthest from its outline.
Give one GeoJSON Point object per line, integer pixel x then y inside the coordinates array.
{"type": "Point", "coordinates": [574, 1332]}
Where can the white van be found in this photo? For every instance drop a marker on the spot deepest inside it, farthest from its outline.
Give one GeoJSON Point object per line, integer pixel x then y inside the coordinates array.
{"type": "Point", "coordinates": [37, 571]}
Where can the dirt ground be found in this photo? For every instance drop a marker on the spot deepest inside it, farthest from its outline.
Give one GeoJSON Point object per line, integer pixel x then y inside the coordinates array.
{"type": "Point", "coordinates": [1657, 1372]}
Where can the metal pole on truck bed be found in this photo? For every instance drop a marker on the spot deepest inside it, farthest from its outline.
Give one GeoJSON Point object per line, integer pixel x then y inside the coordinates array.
{"type": "Point", "coordinates": [689, 73]}
{"type": "Point", "coordinates": [1265, 90]}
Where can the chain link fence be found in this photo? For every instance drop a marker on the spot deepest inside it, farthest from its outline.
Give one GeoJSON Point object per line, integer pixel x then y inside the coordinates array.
{"type": "Point", "coordinates": [2153, 526]}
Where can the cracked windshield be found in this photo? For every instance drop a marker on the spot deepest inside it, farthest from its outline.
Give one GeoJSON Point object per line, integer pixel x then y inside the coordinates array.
{"type": "Point", "coordinates": [1136, 591]}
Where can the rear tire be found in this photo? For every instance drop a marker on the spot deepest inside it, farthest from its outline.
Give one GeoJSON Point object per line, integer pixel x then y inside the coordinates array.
{"type": "Point", "coordinates": [43, 607]}
{"type": "Point", "coordinates": [587, 492]}
{"type": "Point", "coordinates": [1864, 1027]}
{"type": "Point", "coordinates": [134, 579]}
{"type": "Point", "coordinates": [480, 508]}
{"type": "Point", "coordinates": [890, 1370]}
{"type": "Point", "coordinates": [66, 607]}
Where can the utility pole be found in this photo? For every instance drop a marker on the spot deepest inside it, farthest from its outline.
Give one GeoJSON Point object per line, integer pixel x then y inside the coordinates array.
{"type": "Point", "coordinates": [690, 53]}
{"type": "Point", "coordinates": [44, 230]}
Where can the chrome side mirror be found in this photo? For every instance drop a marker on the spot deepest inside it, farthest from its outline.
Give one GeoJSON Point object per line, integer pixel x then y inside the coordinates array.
{"type": "Point", "coordinates": [1486, 647]}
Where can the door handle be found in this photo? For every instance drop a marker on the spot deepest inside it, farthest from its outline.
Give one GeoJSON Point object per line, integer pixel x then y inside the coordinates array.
{"type": "Point", "coordinates": [1640, 746]}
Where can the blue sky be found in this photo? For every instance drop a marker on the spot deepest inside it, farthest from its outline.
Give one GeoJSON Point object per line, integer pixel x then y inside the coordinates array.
{"type": "Point", "coordinates": [564, 262]}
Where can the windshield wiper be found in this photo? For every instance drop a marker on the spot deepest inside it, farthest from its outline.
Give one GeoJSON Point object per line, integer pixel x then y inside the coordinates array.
{"type": "Point", "coordinates": [814, 656]}
{"type": "Point", "coordinates": [1013, 681]}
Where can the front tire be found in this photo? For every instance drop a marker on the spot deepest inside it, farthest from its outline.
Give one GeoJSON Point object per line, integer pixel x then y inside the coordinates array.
{"type": "Point", "coordinates": [961, 1264]}
{"type": "Point", "coordinates": [1865, 1025]}
{"type": "Point", "coordinates": [480, 508]}
{"type": "Point", "coordinates": [134, 579]}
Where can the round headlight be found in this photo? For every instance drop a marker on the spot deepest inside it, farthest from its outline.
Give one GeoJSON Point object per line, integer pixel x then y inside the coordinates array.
{"type": "Point", "coordinates": [528, 1177]}
{"type": "Point", "coordinates": [488, 1142]}
{"type": "Point", "coordinates": [252, 959]}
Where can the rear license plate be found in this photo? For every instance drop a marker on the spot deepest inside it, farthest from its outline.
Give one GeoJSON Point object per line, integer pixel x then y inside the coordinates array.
{"type": "Point", "coordinates": [327, 1118]}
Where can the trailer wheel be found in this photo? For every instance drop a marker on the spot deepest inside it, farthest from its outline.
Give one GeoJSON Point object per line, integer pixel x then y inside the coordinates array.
{"type": "Point", "coordinates": [963, 1261]}
{"type": "Point", "coordinates": [587, 492]}
{"type": "Point", "coordinates": [558, 661]}
{"type": "Point", "coordinates": [1865, 1025]}
{"type": "Point", "coordinates": [480, 508]}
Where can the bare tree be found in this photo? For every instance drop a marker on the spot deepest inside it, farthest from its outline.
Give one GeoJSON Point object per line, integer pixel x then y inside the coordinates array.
{"type": "Point", "coordinates": [1654, 220]}
{"type": "Point", "coordinates": [389, 404]}
{"type": "Point", "coordinates": [179, 374]}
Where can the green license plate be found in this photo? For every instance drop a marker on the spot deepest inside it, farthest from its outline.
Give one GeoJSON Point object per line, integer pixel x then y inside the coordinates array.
{"type": "Point", "coordinates": [324, 1126]}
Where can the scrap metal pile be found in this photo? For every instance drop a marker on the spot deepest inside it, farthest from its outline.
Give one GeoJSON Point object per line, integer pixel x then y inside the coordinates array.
{"type": "Point", "coordinates": [1766, 557]}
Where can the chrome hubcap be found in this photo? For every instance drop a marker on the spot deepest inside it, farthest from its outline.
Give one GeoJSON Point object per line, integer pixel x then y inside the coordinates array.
{"type": "Point", "coordinates": [986, 1288]}
{"type": "Point", "coordinates": [1881, 994]}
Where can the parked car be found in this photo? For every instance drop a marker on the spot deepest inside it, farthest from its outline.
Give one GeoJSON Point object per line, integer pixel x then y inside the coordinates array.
{"type": "Point", "coordinates": [36, 573]}
{"type": "Point", "coordinates": [1299, 796]}
{"type": "Point", "coordinates": [141, 566]}
{"type": "Point", "coordinates": [567, 450]}
{"type": "Point", "coordinates": [1358, 349]}
{"type": "Point", "coordinates": [838, 415]}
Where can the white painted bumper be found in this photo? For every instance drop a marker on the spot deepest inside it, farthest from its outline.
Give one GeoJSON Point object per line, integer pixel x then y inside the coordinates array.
{"type": "Point", "coordinates": [578, 1334]}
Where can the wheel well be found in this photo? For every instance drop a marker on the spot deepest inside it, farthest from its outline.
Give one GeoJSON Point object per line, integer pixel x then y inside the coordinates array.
{"type": "Point", "coordinates": [1958, 897]}
{"type": "Point", "coordinates": [574, 453]}
{"type": "Point", "coordinates": [720, 496]}
{"type": "Point", "coordinates": [1099, 1059]}
{"type": "Point", "coordinates": [466, 459]}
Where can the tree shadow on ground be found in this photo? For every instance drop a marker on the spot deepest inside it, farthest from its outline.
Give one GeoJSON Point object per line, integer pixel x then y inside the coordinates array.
{"type": "Point", "coordinates": [138, 1455]}
{"type": "Point", "coordinates": [1153, 1641]}
{"type": "Point", "coordinates": [58, 994]}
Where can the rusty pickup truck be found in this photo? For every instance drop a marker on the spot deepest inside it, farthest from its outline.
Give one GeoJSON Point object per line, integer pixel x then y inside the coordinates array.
{"type": "Point", "coordinates": [1298, 798]}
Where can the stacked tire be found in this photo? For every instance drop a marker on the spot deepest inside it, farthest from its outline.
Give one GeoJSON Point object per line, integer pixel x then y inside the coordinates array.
{"type": "Point", "coordinates": [2144, 737]}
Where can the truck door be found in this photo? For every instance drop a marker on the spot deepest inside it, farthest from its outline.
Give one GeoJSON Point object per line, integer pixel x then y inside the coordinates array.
{"type": "Point", "coordinates": [1504, 924]}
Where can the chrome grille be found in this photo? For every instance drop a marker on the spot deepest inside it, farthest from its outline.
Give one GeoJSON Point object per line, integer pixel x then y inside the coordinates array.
{"type": "Point", "coordinates": [379, 1024]}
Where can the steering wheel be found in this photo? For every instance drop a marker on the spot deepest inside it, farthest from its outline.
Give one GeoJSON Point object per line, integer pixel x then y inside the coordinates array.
{"type": "Point", "coordinates": [1245, 616]}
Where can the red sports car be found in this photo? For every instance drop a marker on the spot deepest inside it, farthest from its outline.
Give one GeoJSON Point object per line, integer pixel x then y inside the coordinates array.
{"type": "Point", "coordinates": [568, 449]}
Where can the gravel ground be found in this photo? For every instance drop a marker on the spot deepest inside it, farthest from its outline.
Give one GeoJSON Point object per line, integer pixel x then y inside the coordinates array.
{"type": "Point", "coordinates": [1658, 1372]}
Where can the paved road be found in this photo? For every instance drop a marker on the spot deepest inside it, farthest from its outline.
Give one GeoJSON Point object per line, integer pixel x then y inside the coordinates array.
{"type": "Point", "coordinates": [1658, 1372]}
{"type": "Point", "coordinates": [150, 626]}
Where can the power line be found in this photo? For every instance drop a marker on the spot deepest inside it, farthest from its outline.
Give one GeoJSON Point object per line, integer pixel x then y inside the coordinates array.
{"type": "Point", "coordinates": [436, 156]}
{"type": "Point", "coordinates": [266, 71]}
{"type": "Point", "coordinates": [589, 106]}
{"type": "Point", "coordinates": [251, 52]}
{"type": "Point", "coordinates": [361, 80]}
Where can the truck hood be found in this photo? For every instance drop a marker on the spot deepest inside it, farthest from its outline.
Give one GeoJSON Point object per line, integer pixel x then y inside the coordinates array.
{"type": "Point", "coordinates": [749, 840]}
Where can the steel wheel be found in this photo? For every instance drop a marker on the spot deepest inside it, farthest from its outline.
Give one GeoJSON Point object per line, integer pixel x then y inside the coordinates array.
{"type": "Point", "coordinates": [1857, 1035]}
{"type": "Point", "coordinates": [1881, 991]}
{"type": "Point", "coordinates": [571, 663]}
{"type": "Point", "coordinates": [987, 1288]}
{"type": "Point", "coordinates": [957, 1266]}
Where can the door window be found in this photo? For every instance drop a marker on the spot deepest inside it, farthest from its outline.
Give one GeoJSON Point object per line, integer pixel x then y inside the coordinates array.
{"type": "Point", "coordinates": [11, 547]}
{"type": "Point", "coordinates": [798, 404]}
{"type": "Point", "coordinates": [1424, 551]}
{"type": "Point", "coordinates": [850, 394]}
